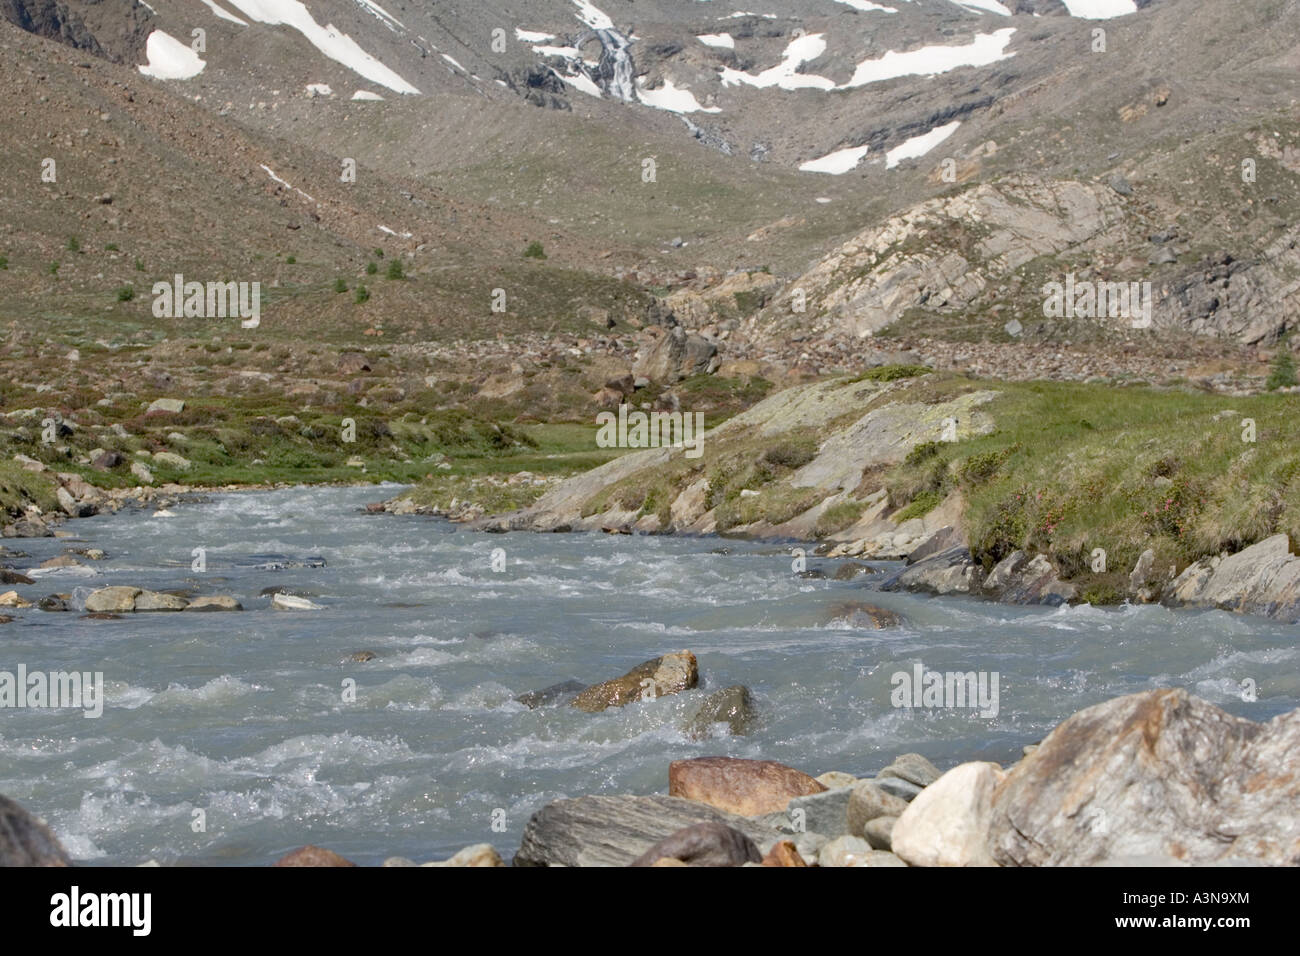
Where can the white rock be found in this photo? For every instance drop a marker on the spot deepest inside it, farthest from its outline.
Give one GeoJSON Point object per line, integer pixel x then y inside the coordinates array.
{"type": "Point", "coordinates": [948, 822]}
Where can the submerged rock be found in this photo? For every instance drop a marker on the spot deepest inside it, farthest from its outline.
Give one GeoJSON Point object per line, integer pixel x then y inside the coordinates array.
{"type": "Point", "coordinates": [26, 840]}
{"type": "Point", "coordinates": [703, 844]}
{"type": "Point", "coordinates": [552, 694]}
{"type": "Point", "coordinates": [864, 616]}
{"type": "Point", "coordinates": [733, 706]}
{"type": "Point", "coordinates": [288, 602]}
{"type": "Point", "coordinates": [616, 830]}
{"type": "Point", "coordinates": [746, 787]}
{"type": "Point", "coordinates": [215, 602]}
{"type": "Point", "coordinates": [669, 674]}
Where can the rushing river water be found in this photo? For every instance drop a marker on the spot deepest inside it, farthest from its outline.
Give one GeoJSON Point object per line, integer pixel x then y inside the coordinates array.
{"type": "Point", "coordinates": [243, 715]}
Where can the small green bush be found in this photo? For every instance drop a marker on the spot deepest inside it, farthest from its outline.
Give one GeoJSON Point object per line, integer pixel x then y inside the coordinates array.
{"type": "Point", "coordinates": [126, 293]}
{"type": "Point", "coordinates": [340, 285]}
{"type": "Point", "coordinates": [534, 251]}
{"type": "Point", "coordinates": [1282, 372]}
{"type": "Point", "coordinates": [395, 270]}
{"type": "Point", "coordinates": [371, 268]}
{"type": "Point", "coordinates": [362, 294]}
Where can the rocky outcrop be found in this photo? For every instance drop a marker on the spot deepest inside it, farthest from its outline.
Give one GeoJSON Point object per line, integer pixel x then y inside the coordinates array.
{"type": "Point", "coordinates": [945, 252]}
{"type": "Point", "coordinates": [658, 677]}
{"type": "Point", "coordinates": [616, 830]}
{"type": "Point", "coordinates": [675, 355]}
{"type": "Point", "coordinates": [747, 787]}
{"type": "Point", "coordinates": [1262, 579]}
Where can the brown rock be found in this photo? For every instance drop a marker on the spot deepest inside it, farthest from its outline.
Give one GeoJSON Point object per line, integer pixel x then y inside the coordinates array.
{"type": "Point", "coordinates": [669, 674]}
{"type": "Point", "coordinates": [783, 853]}
{"type": "Point", "coordinates": [312, 856]}
{"type": "Point", "coordinates": [747, 787]}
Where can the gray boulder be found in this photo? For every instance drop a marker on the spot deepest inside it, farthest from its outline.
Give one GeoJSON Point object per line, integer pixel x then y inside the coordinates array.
{"type": "Point", "coordinates": [703, 844]}
{"type": "Point", "coordinates": [616, 830]}
{"type": "Point", "coordinates": [1160, 773]}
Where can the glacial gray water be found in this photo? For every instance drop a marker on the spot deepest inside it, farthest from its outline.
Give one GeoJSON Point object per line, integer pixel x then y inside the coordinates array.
{"type": "Point", "coordinates": [242, 715]}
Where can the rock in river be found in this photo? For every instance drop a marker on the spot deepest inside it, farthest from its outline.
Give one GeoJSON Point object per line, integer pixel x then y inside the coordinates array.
{"type": "Point", "coordinates": [733, 706]}
{"type": "Point", "coordinates": [669, 674]}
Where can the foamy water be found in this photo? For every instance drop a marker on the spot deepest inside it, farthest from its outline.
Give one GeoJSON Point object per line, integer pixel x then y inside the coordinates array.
{"type": "Point", "coordinates": [242, 715]}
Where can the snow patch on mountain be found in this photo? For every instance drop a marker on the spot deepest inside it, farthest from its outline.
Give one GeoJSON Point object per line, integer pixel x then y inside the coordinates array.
{"type": "Point", "coordinates": [224, 14]}
{"type": "Point", "coordinates": [984, 6]}
{"type": "Point", "coordinates": [593, 17]}
{"type": "Point", "coordinates": [801, 50]}
{"type": "Point", "coordinates": [169, 58]}
{"type": "Point", "coordinates": [532, 36]}
{"type": "Point", "coordinates": [1099, 9]}
{"type": "Point", "coordinates": [986, 48]}
{"type": "Point", "coordinates": [366, 95]}
{"type": "Point", "coordinates": [837, 163]}
{"type": "Point", "coordinates": [669, 97]}
{"type": "Point", "coordinates": [918, 146]}
{"type": "Point", "coordinates": [866, 6]}
{"type": "Point", "coordinates": [721, 41]}
{"type": "Point", "coordinates": [328, 39]}
{"type": "Point", "coordinates": [382, 15]}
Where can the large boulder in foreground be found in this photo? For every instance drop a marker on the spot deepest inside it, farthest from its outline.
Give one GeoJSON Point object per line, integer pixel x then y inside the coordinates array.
{"type": "Point", "coordinates": [1161, 774]}
{"type": "Point", "coordinates": [669, 674]}
{"type": "Point", "coordinates": [25, 840]}
{"type": "Point", "coordinates": [616, 830]}
{"type": "Point", "coordinates": [747, 787]}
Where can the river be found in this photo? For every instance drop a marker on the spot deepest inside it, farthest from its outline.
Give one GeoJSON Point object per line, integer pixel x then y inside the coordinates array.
{"type": "Point", "coordinates": [231, 738]}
